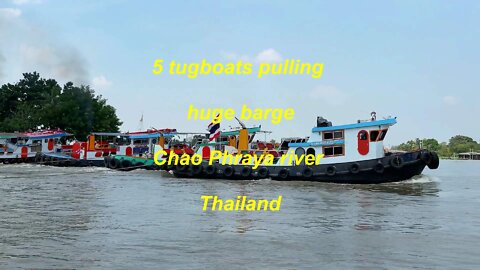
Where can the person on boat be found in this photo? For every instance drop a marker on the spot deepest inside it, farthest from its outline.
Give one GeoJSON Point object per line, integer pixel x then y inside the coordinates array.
{"type": "Point", "coordinates": [373, 116]}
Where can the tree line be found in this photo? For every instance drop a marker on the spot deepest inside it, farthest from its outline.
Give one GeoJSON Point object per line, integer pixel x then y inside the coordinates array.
{"type": "Point", "coordinates": [34, 103]}
{"type": "Point", "coordinates": [456, 144]}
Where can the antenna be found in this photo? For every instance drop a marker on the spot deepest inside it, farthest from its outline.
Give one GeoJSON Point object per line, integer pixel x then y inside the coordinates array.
{"type": "Point", "coordinates": [140, 124]}
{"type": "Point", "coordinates": [240, 122]}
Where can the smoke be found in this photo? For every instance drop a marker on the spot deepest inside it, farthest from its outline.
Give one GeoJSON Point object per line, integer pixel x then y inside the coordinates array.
{"type": "Point", "coordinates": [31, 48]}
{"type": "Point", "coordinates": [63, 63]}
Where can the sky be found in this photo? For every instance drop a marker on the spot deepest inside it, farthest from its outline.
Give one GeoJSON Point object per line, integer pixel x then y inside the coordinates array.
{"type": "Point", "coordinates": [416, 60]}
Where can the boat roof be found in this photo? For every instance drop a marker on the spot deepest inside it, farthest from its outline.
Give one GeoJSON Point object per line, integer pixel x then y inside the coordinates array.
{"type": "Point", "coordinates": [236, 132]}
{"type": "Point", "coordinates": [46, 134]}
{"type": "Point", "coordinates": [114, 134]}
{"type": "Point", "coordinates": [10, 135]}
{"type": "Point", "coordinates": [389, 122]}
{"type": "Point", "coordinates": [36, 134]}
{"type": "Point", "coordinates": [153, 130]}
{"type": "Point", "coordinates": [151, 135]}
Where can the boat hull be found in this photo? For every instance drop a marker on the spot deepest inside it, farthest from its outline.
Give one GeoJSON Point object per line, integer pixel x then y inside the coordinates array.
{"type": "Point", "coordinates": [391, 168]}
{"type": "Point", "coordinates": [60, 160]}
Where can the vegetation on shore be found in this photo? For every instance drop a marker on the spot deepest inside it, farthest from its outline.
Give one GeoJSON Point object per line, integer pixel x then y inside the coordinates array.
{"type": "Point", "coordinates": [35, 102]}
{"type": "Point", "coordinates": [457, 144]}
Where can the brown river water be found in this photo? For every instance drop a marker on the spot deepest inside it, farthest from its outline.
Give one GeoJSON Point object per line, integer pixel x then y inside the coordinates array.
{"type": "Point", "coordinates": [95, 218]}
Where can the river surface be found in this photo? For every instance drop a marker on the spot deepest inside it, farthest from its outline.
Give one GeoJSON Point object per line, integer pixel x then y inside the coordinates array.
{"type": "Point", "coordinates": [95, 218]}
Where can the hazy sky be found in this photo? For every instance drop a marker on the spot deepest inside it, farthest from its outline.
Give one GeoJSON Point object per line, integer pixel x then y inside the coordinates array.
{"type": "Point", "coordinates": [417, 60]}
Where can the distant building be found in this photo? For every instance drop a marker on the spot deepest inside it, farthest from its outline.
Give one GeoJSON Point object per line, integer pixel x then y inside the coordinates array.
{"type": "Point", "coordinates": [469, 155]}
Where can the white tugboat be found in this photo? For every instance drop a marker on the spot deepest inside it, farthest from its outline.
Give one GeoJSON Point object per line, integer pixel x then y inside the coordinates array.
{"type": "Point", "coordinates": [352, 153]}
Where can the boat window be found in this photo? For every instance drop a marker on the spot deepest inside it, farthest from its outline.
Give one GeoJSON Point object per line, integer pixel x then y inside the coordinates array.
{"type": "Point", "coordinates": [363, 135]}
{"type": "Point", "coordinates": [331, 151]}
{"type": "Point", "coordinates": [333, 135]}
{"type": "Point", "coordinates": [140, 141]}
{"type": "Point", "coordinates": [328, 135]}
{"type": "Point", "coordinates": [374, 135]}
{"type": "Point", "coordinates": [284, 145]}
{"type": "Point", "coordinates": [384, 133]}
{"type": "Point", "coordinates": [310, 151]}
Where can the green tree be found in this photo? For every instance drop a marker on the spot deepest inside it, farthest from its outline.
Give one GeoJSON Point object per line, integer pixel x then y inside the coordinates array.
{"type": "Point", "coordinates": [34, 101]}
{"type": "Point", "coordinates": [460, 143]}
{"type": "Point", "coordinates": [444, 150]}
{"type": "Point", "coordinates": [409, 145]}
{"type": "Point", "coordinates": [430, 144]}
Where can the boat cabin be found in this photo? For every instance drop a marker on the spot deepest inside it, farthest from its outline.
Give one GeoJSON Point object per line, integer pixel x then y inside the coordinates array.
{"type": "Point", "coordinates": [21, 146]}
{"type": "Point", "coordinates": [346, 143]}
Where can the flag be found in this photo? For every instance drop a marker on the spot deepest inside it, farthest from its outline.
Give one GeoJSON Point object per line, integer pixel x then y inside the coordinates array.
{"type": "Point", "coordinates": [214, 129]}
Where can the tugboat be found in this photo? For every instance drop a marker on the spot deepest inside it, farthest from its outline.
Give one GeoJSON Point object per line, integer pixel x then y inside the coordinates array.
{"type": "Point", "coordinates": [89, 153]}
{"type": "Point", "coordinates": [352, 153]}
{"type": "Point", "coordinates": [24, 146]}
{"type": "Point", "coordinates": [146, 143]}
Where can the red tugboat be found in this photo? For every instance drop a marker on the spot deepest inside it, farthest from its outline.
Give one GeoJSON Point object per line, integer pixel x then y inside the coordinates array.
{"type": "Point", "coordinates": [147, 143]}
{"type": "Point", "coordinates": [89, 153]}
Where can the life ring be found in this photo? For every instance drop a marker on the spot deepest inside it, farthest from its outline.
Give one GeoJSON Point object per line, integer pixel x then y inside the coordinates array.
{"type": "Point", "coordinates": [106, 161]}
{"type": "Point", "coordinates": [196, 169]}
{"type": "Point", "coordinates": [379, 168]}
{"type": "Point", "coordinates": [426, 157]}
{"type": "Point", "coordinates": [331, 170]}
{"type": "Point", "coordinates": [262, 172]}
{"type": "Point", "coordinates": [114, 163]}
{"type": "Point", "coordinates": [396, 162]}
{"type": "Point", "coordinates": [307, 172]}
{"type": "Point", "coordinates": [434, 162]}
{"type": "Point", "coordinates": [354, 168]}
{"type": "Point", "coordinates": [210, 170]}
{"type": "Point", "coordinates": [246, 171]}
{"type": "Point", "coordinates": [47, 160]}
{"type": "Point", "coordinates": [283, 174]}
{"type": "Point", "coordinates": [229, 171]}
